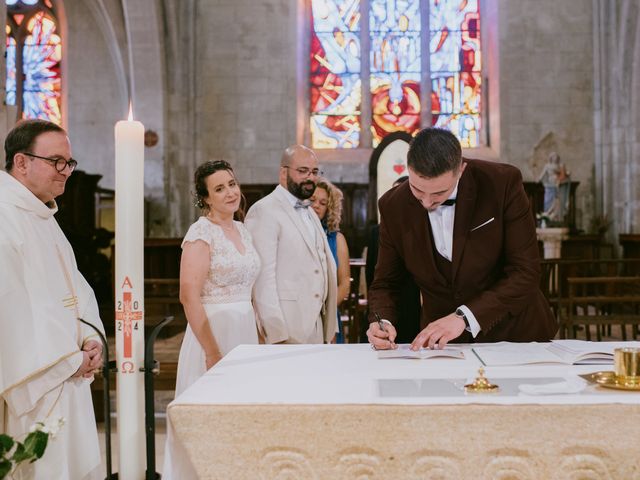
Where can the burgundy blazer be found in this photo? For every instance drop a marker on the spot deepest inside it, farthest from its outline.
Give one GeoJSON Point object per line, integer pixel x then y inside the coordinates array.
{"type": "Point", "coordinates": [495, 266]}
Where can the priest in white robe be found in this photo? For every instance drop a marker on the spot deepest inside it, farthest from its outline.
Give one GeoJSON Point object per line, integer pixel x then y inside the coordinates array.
{"type": "Point", "coordinates": [47, 357]}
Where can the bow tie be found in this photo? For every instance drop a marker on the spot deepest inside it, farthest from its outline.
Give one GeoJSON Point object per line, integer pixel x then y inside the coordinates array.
{"type": "Point", "coordinates": [302, 204]}
{"type": "Point", "coordinates": [448, 203]}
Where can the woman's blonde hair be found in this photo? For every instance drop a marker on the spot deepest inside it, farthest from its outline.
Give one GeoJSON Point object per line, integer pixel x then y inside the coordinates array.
{"type": "Point", "coordinates": [334, 204]}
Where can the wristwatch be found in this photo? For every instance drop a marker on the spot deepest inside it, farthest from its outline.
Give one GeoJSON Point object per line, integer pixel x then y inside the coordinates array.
{"type": "Point", "coordinates": [460, 313]}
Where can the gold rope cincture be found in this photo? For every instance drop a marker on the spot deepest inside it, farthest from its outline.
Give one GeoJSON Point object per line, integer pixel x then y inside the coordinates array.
{"type": "Point", "coordinates": [72, 291]}
{"type": "Point", "coordinates": [76, 311]}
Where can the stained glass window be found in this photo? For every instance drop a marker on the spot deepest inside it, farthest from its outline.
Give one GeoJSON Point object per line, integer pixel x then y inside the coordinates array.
{"type": "Point", "coordinates": [335, 74]}
{"type": "Point", "coordinates": [394, 29]}
{"type": "Point", "coordinates": [34, 47]}
{"type": "Point", "coordinates": [400, 52]}
{"type": "Point", "coordinates": [456, 62]}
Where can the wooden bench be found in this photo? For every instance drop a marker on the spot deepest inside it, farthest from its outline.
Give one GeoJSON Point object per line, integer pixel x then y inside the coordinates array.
{"type": "Point", "coordinates": [602, 302]}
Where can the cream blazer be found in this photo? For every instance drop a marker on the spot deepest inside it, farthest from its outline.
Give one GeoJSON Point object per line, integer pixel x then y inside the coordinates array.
{"type": "Point", "coordinates": [297, 284]}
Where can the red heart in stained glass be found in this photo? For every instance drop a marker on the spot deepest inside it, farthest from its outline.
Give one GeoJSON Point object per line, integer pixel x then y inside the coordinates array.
{"type": "Point", "coordinates": [398, 168]}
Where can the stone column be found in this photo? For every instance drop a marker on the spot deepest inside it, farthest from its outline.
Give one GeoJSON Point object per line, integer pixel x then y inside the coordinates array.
{"type": "Point", "coordinates": [617, 112]}
{"type": "Point", "coordinates": [552, 240]}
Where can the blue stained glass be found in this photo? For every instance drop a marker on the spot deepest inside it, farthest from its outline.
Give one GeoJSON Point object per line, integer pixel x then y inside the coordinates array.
{"type": "Point", "coordinates": [465, 127]}
{"type": "Point", "coordinates": [41, 58]}
{"type": "Point", "coordinates": [394, 28]}
{"type": "Point", "coordinates": [330, 131]}
{"type": "Point", "coordinates": [454, 36]}
{"type": "Point", "coordinates": [394, 15]}
{"type": "Point", "coordinates": [335, 94]}
{"type": "Point", "coordinates": [395, 52]}
{"type": "Point", "coordinates": [395, 69]}
{"type": "Point", "coordinates": [335, 85]}
{"type": "Point", "coordinates": [11, 71]}
{"type": "Point", "coordinates": [456, 93]}
{"type": "Point", "coordinates": [332, 15]}
{"type": "Point", "coordinates": [450, 14]}
{"type": "Point", "coordinates": [455, 64]}
{"type": "Point", "coordinates": [341, 53]}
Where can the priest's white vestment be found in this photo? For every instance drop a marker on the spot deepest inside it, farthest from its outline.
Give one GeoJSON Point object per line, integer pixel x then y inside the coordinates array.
{"type": "Point", "coordinates": [41, 294]}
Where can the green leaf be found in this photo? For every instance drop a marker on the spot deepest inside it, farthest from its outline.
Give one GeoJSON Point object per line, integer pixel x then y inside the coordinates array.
{"type": "Point", "coordinates": [6, 443]}
{"type": "Point", "coordinates": [5, 468]}
{"type": "Point", "coordinates": [35, 443]}
{"type": "Point", "coordinates": [21, 454]}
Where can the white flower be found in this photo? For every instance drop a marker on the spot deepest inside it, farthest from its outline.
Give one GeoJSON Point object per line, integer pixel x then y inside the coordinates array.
{"type": "Point", "coordinates": [52, 426]}
{"type": "Point", "coordinates": [36, 427]}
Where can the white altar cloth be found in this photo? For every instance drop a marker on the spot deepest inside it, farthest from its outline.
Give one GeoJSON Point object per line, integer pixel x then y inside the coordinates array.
{"type": "Point", "coordinates": [268, 409]}
{"type": "Point", "coordinates": [350, 374]}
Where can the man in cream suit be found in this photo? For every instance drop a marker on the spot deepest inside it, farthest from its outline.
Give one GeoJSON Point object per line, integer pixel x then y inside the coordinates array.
{"type": "Point", "coordinates": [295, 293]}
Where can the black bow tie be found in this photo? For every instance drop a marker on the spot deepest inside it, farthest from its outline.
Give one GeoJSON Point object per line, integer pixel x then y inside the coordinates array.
{"type": "Point", "coordinates": [448, 203]}
{"type": "Point", "coordinates": [302, 204]}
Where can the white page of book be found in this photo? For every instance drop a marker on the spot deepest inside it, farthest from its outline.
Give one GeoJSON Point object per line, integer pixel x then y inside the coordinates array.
{"type": "Point", "coordinates": [404, 351]}
{"type": "Point", "coordinates": [507, 353]}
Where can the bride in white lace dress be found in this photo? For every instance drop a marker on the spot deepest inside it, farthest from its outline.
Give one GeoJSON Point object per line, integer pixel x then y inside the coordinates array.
{"type": "Point", "coordinates": [218, 268]}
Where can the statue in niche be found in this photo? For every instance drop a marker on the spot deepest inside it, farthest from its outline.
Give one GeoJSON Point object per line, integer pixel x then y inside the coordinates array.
{"type": "Point", "coordinates": [556, 181]}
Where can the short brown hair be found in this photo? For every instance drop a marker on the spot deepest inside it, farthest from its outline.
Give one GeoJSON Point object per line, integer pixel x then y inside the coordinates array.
{"type": "Point", "coordinates": [23, 135]}
{"type": "Point", "coordinates": [434, 152]}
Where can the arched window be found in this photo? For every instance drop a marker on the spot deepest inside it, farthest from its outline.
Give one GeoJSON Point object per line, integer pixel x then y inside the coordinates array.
{"type": "Point", "coordinates": [34, 48]}
{"type": "Point", "coordinates": [411, 63]}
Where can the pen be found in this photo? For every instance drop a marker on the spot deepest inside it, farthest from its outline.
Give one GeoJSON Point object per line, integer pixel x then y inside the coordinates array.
{"type": "Point", "coordinates": [381, 325]}
{"type": "Point", "coordinates": [380, 322]}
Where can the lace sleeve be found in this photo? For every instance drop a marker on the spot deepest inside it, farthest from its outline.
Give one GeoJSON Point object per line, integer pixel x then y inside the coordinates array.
{"type": "Point", "coordinates": [198, 231]}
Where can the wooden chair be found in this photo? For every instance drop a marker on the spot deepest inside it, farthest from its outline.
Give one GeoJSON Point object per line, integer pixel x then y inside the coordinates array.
{"type": "Point", "coordinates": [353, 310]}
{"type": "Point", "coordinates": [601, 302]}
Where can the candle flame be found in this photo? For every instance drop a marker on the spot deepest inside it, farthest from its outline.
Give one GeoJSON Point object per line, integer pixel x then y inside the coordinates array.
{"type": "Point", "coordinates": [130, 117]}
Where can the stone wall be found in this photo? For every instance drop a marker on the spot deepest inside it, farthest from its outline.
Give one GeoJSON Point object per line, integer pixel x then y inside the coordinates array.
{"type": "Point", "coordinates": [96, 90]}
{"type": "Point", "coordinates": [246, 83]}
{"type": "Point", "coordinates": [546, 89]}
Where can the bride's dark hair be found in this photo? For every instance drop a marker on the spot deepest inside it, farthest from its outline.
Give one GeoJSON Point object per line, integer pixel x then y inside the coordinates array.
{"type": "Point", "coordinates": [200, 177]}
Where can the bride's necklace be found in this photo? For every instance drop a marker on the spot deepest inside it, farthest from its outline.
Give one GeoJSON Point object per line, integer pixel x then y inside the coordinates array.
{"type": "Point", "coordinates": [228, 228]}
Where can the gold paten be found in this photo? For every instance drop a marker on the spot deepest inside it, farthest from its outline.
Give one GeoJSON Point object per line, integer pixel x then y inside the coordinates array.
{"type": "Point", "coordinates": [611, 380]}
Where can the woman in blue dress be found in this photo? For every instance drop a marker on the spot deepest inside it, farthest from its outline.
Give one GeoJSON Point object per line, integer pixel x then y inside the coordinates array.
{"type": "Point", "coordinates": [327, 203]}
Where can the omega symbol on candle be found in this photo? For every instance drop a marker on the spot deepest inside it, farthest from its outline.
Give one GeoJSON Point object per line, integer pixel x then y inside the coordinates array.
{"type": "Point", "coordinates": [128, 312]}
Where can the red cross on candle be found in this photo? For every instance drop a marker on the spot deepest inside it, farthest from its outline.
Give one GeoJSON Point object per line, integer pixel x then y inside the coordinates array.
{"type": "Point", "coordinates": [127, 315]}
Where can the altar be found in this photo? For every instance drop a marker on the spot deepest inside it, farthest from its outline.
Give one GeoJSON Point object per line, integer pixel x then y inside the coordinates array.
{"type": "Point", "coordinates": [337, 411]}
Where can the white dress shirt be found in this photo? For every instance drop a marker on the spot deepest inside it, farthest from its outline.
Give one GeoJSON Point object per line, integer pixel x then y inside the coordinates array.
{"type": "Point", "coordinates": [304, 213]}
{"type": "Point", "coordinates": [442, 219]}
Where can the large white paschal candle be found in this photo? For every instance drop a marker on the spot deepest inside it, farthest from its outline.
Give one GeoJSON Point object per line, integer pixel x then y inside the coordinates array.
{"type": "Point", "coordinates": [129, 293]}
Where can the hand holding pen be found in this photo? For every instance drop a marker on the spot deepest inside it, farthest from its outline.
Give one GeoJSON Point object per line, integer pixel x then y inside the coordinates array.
{"type": "Point", "coordinates": [381, 334]}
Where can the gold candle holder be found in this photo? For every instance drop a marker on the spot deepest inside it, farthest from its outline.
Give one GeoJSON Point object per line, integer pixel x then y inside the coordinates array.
{"type": "Point", "coordinates": [627, 365]}
{"type": "Point", "coordinates": [481, 384]}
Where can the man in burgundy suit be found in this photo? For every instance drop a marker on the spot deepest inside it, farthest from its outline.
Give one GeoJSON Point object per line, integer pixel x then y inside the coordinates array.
{"type": "Point", "coordinates": [463, 229]}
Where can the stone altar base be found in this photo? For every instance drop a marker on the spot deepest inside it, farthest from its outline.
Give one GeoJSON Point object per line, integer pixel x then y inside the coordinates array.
{"type": "Point", "coordinates": [411, 441]}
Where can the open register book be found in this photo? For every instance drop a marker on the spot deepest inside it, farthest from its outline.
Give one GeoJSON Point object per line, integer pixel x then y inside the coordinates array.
{"type": "Point", "coordinates": [403, 351]}
{"type": "Point", "coordinates": [567, 352]}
